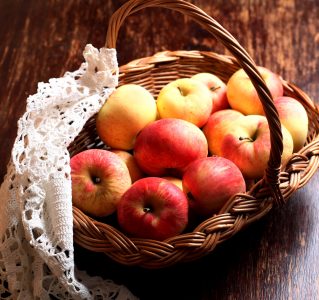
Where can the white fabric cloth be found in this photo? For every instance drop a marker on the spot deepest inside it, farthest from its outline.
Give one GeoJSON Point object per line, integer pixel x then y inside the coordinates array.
{"type": "Point", "coordinates": [36, 227]}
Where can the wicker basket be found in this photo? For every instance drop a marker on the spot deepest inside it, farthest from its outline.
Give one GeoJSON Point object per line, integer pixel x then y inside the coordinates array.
{"type": "Point", "coordinates": [277, 185]}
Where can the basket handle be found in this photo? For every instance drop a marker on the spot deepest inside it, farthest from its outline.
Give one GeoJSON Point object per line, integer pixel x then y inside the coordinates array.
{"type": "Point", "coordinates": [222, 35]}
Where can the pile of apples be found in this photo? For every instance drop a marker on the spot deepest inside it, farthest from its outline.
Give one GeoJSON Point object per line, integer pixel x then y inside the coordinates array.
{"type": "Point", "coordinates": [182, 154]}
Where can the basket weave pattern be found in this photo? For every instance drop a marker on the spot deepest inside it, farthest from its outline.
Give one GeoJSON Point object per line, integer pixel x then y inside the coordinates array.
{"type": "Point", "coordinates": [278, 184]}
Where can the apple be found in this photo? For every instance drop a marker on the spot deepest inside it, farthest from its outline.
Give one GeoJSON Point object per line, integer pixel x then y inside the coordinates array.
{"type": "Point", "coordinates": [129, 109]}
{"type": "Point", "coordinates": [186, 99]}
{"type": "Point", "coordinates": [165, 147]}
{"type": "Point", "coordinates": [153, 208]}
{"type": "Point", "coordinates": [135, 171]}
{"type": "Point", "coordinates": [209, 182]}
{"type": "Point", "coordinates": [177, 181]}
{"type": "Point", "coordinates": [242, 95]}
{"type": "Point", "coordinates": [99, 179]}
{"type": "Point", "coordinates": [216, 126]}
{"type": "Point", "coordinates": [294, 117]}
{"type": "Point", "coordinates": [217, 90]}
{"type": "Point", "coordinates": [246, 142]}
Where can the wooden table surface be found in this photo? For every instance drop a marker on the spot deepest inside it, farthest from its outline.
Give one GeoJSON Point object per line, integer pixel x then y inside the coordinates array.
{"type": "Point", "coordinates": [275, 258]}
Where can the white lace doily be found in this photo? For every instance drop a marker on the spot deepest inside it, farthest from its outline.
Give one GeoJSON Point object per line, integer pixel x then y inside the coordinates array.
{"type": "Point", "coordinates": [36, 228]}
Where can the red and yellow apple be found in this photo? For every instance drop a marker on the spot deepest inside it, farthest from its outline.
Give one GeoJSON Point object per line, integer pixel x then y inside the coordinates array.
{"type": "Point", "coordinates": [153, 208]}
{"type": "Point", "coordinates": [129, 109]}
{"type": "Point", "coordinates": [135, 171]}
{"type": "Point", "coordinates": [166, 147]}
{"type": "Point", "coordinates": [246, 142]}
{"type": "Point", "coordinates": [99, 179]}
{"type": "Point", "coordinates": [294, 117]}
{"type": "Point", "coordinates": [217, 90]}
{"type": "Point", "coordinates": [186, 99]}
{"type": "Point", "coordinates": [209, 182]}
{"type": "Point", "coordinates": [216, 127]}
{"type": "Point", "coordinates": [242, 95]}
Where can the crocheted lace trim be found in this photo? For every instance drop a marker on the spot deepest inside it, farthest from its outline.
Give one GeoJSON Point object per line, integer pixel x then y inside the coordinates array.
{"type": "Point", "coordinates": [36, 229]}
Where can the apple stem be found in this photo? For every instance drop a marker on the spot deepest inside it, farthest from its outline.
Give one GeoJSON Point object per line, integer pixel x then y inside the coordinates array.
{"type": "Point", "coordinates": [96, 179]}
{"type": "Point", "coordinates": [146, 209]}
{"type": "Point", "coordinates": [214, 88]}
{"type": "Point", "coordinates": [190, 196]}
{"type": "Point", "coordinates": [246, 139]}
{"type": "Point", "coordinates": [180, 91]}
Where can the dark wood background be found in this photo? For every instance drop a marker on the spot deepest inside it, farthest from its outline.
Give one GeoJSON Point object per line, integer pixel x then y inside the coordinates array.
{"type": "Point", "coordinates": [275, 258]}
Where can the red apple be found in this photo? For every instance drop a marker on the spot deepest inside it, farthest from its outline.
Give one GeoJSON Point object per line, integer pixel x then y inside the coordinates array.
{"type": "Point", "coordinates": [166, 147]}
{"type": "Point", "coordinates": [242, 95]}
{"type": "Point", "coordinates": [217, 90]}
{"type": "Point", "coordinates": [99, 179]}
{"type": "Point", "coordinates": [210, 182]}
{"type": "Point", "coordinates": [216, 126]}
{"type": "Point", "coordinates": [246, 142]}
{"type": "Point", "coordinates": [153, 208]}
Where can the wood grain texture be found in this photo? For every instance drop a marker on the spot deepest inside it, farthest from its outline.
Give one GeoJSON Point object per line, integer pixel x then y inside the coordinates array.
{"type": "Point", "coordinates": [277, 257]}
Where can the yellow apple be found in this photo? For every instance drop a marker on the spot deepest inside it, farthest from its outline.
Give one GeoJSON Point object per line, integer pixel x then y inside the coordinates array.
{"type": "Point", "coordinates": [242, 95]}
{"type": "Point", "coordinates": [187, 99]}
{"type": "Point", "coordinates": [135, 171]}
{"type": "Point", "coordinates": [294, 117]}
{"type": "Point", "coordinates": [128, 110]}
{"type": "Point", "coordinates": [177, 181]}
